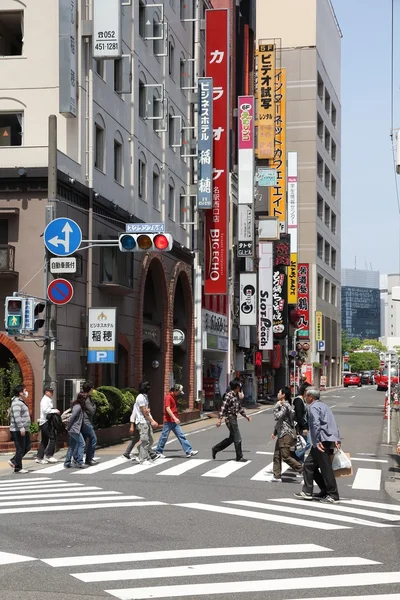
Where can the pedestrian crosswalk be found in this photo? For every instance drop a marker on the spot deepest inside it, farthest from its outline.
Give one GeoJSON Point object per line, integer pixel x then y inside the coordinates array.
{"type": "Point", "coordinates": [364, 479]}
{"type": "Point", "coordinates": [43, 494]}
{"type": "Point", "coordinates": [311, 515]}
{"type": "Point", "coordinates": [171, 573]}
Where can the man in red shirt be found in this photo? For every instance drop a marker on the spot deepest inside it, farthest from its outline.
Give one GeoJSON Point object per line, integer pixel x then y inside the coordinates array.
{"type": "Point", "coordinates": [172, 423]}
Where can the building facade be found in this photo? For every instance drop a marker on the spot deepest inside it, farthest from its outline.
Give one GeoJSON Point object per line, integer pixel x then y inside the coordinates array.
{"type": "Point", "coordinates": [308, 42]}
{"type": "Point", "coordinates": [390, 311]}
{"type": "Point", "coordinates": [361, 304]}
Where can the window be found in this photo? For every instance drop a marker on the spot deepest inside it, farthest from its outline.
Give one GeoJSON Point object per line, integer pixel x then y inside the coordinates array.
{"type": "Point", "coordinates": [327, 178]}
{"type": "Point", "coordinates": [182, 73]}
{"type": "Point", "coordinates": [171, 130]}
{"type": "Point", "coordinates": [11, 33]}
{"type": "Point", "coordinates": [333, 115]}
{"type": "Point", "coordinates": [11, 131]}
{"type": "Point", "coordinates": [182, 10]}
{"type": "Point", "coordinates": [320, 246]}
{"type": "Point", "coordinates": [171, 201]}
{"type": "Point", "coordinates": [333, 223]}
{"type": "Point", "coordinates": [320, 127]}
{"type": "Point", "coordinates": [327, 295]}
{"type": "Point", "coordinates": [118, 160]}
{"type": "Point", "coordinates": [142, 19]}
{"type": "Point", "coordinates": [158, 34]}
{"type": "Point", "coordinates": [142, 99]}
{"type": "Point", "coordinates": [320, 84]}
{"type": "Point", "coordinates": [333, 187]}
{"type": "Point", "coordinates": [183, 212]}
{"type": "Point", "coordinates": [118, 75]}
{"type": "Point", "coordinates": [4, 232]}
{"type": "Point", "coordinates": [100, 68]}
{"type": "Point", "coordinates": [327, 253]}
{"type": "Point", "coordinates": [142, 175]}
{"type": "Point", "coordinates": [327, 141]}
{"type": "Point", "coordinates": [320, 286]}
{"type": "Point", "coordinates": [333, 259]}
{"type": "Point", "coordinates": [320, 167]}
{"type": "Point", "coordinates": [99, 160]}
{"type": "Point", "coordinates": [157, 107]}
{"type": "Point", "coordinates": [333, 151]}
{"type": "Point", "coordinates": [327, 102]}
{"type": "Point", "coordinates": [116, 267]}
{"type": "Point", "coordinates": [171, 58]}
{"type": "Point", "coordinates": [333, 294]}
{"type": "Point", "coordinates": [320, 206]}
{"type": "Point", "coordinates": [327, 216]}
{"type": "Point", "coordinates": [156, 188]}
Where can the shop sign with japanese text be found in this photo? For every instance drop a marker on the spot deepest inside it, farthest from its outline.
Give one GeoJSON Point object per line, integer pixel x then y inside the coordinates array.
{"type": "Point", "coordinates": [318, 326]}
{"type": "Point", "coordinates": [266, 101]}
{"type": "Point", "coordinates": [265, 311]}
{"type": "Point", "coordinates": [205, 143]}
{"type": "Point", "coordinates": [303, 300]}
{"type": "Point", "coordinates": [282, 251]}
{"type": "Point", "coordinates": [216, 227]}
{"type": "Point", "coordinates": [246, 150]}
{"type": "Point", "coordinates": [248, 299]}
{"type": "Point", "coordinates": [292, 225]}
{"type": "Point", "coordinates": [279, 303]}
{"type": "Point", "coordinates": [277, 201]}
{"type": "Point", "coordinates": [102, 335]}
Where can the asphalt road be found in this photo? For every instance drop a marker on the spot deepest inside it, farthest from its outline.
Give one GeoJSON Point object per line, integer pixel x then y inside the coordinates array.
{"type": "Point", "coordinates": [197, 528]}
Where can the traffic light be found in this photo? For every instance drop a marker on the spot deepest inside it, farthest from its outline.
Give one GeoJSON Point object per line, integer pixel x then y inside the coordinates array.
{"type": "Point", "coordinates": [38, 315]}
{"type": "Point", "coordinates": [13, 314]}
{"type": "Point", "coordinates": [145, 242]}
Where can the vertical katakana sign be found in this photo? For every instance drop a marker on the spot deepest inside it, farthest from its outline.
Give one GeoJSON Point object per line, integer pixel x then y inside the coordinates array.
{"type": "Point", "coordinates": [277, 202]}
{"type": "Point", "coordinates": [205, 143]}
{"type": "Point", "coordinates": [216, 231]}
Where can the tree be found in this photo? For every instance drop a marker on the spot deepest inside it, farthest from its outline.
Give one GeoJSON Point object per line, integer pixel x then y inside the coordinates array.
{"type": "Point", "coordinates": [363, 361]}
{"type": "Point", "coordinates": [375, 344]}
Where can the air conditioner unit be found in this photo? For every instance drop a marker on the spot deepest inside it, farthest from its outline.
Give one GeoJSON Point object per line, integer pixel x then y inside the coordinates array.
{"type": "Point", "coordinates": [72, 387]}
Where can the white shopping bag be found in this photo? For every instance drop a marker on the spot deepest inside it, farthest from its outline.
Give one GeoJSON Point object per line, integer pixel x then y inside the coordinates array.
{"type": "Point", "coordinates": [341, 461]}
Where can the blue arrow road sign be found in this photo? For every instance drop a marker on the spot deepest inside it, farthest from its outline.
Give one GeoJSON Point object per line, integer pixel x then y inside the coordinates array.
{"type": "Point", "coordinates": [62, 237]}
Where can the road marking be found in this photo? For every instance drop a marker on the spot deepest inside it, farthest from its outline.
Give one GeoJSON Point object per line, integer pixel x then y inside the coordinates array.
{"type": "Point", "coordinates": [351, 397]}
{"type": "Point", "coordinates": [307, 513]}
{"type": "Point", "coordinates": [80, 492]}
{"type": "Point", "coordinates": [52, 469]}
{"type": "Point", "coordinates": [67, 500]}
{"type": "Point", "coordinates": [108, 559]}
{"type": "Point", "coordinates": [51, 488]}
{"type": "Point", "coordinates": [7, 558]}
{"type": "Point", "coordinates": [9, 511]}
{"type": "Point", "coordinates": [267, 585]}
{"type": "Point", "coordinates": [226, 469]}
{"type": "Point", "coordinates": [139, 468]}
{"type": "Point", "coordinates": [266, 473]}
{"type": "Point", "coordinates": [372, 597]}
{"type": "Point", "coordinates": [373, 460]}
{"type": "Point", "coordinates": [395, 507]}
{"type": "Point", "coordinates": [340, 508]}
{"type": "Point", "coordinates": [333, 406]}
{"type": "Point", "coordinates": [269, 453]}
{"type": "Point", "coordinates": [102, 467]}
{"type": "Point", "coordinates": [24, 482]}
{"type": "Point", "coordinates": [185, 466]}
{"type": "Point", "coordinates": [367, 479]}
{"type": "Point", "coordinates": [261, 516]}
{"type": "Point", "coordinates": [222, 568]}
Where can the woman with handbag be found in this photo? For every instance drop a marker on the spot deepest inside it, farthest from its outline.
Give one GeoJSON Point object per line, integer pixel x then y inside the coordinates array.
{"type": "Point", "coordinates": [285, 435]}
{"type": "Point", "coordinates": [74, 426]}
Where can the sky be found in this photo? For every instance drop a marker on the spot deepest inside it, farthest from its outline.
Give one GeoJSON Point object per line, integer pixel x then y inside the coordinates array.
{"type": "Point", "coordinates": [370, 216]}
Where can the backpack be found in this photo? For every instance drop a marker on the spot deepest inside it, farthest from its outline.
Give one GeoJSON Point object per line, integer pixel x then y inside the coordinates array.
{"type": "Point", "coordinates": [65, 416]}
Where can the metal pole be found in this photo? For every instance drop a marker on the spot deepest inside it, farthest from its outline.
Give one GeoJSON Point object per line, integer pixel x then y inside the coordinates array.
{"type": "Point", "coordinates": [294, 361]}
{"type": "Point", "coordinates": [389, 394]}
{"type": "Point", "coordinates": [50, 350]}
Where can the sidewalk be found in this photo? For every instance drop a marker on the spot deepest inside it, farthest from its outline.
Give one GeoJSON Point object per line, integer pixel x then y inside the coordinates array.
{"type": "Point", "coordinates": [392, 485]}
{"type": "Point", "coordinates": [116, 450]}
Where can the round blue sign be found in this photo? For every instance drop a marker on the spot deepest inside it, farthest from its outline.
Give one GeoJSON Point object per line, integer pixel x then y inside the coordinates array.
{"type": "Point", "coordinates": [60, 291]}
{"type": "Point", "coordinates": [62, 237]}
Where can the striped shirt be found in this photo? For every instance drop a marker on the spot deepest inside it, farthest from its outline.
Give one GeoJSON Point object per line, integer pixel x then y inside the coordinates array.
{"type": "Point", "coordinates": [19, 415]}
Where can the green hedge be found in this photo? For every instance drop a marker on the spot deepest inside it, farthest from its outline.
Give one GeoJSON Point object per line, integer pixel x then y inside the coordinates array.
{"type": "Point", "coordinates": [115, 405]}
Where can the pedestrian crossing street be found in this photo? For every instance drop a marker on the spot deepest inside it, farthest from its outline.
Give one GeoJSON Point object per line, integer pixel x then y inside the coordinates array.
{"type": "Point", "coordinates": [311, 515]}
{"type": "Point", "coordinates": [44, 494]}
{"type": "Point", "coordinates": [285, 567]}
{"type": "Point", "coordinates": [365, 478]}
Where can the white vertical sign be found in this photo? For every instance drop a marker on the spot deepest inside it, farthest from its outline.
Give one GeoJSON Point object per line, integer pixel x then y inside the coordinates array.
{"type": "Point", "coordinates": [292, 200]}
{"type": "Point", "coordinates": [265, 312]}
{"type": "Point", "coordinates": [248, 299]}
{"type": "Point", "coordinates": [107, 24]}
{"type": "Point", "coordinates": [67, 58]}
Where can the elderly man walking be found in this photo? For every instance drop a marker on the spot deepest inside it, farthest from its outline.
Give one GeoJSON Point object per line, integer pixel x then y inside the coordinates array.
{"type": "Point", "coordinates": [324, 439]}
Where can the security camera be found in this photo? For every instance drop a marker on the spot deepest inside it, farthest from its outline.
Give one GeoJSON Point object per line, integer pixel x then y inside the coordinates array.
{"type": "Point", "coordinates": [71, 180]}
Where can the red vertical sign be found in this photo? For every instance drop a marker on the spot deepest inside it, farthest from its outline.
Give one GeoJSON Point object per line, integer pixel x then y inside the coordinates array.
{"type": "Point", "coordinates": [303, 300]}
{"type": "Point", "coordinates": [216, 234]}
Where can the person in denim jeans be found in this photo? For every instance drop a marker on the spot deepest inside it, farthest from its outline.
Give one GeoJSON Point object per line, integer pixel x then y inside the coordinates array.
{"type": "Point", "coordinates": [87, 427]}
{"type": "Point", "coordinates": [76, 441]}
{"type": "Point", "coordinates": [172, 423]}
{"type": "Point", "coordinates": [20, 422]}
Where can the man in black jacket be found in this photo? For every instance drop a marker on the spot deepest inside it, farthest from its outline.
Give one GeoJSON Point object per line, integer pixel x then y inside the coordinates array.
{"type": "Point", "coordinates": [301, 418]}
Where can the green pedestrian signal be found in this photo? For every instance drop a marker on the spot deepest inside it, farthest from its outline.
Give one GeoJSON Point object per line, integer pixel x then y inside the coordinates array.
{"type": "Point", "coordinates": [13, 317]}
{"type": "Point", "coordinates": [14, 322]}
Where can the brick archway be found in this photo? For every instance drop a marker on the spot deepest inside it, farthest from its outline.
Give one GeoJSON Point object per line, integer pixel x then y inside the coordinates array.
{"type": "Point", "coordinates": [25, 366]}
{"type": "Point", "coordinates": [124, 342]}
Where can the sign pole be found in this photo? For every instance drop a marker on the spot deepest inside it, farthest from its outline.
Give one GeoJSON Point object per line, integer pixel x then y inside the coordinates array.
{"type": "Point", "coordinates": [50, 349]}
{"type": "Point", "coordinates": [389, 394]}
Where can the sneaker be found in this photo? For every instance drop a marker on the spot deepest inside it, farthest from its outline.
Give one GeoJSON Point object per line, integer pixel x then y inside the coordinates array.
{"type": "Point", "coordinates": [146, 462]}
{"type": "Point", "coordinates": [81, 466]}
{"type": "Point", "coordinates": [91, 463]}
{"type": "Point", "coordinates": [320, 495]}
{"type": "Point", "coordinates": [303, 496]}
{"type": "Point", "coordinates": [274, 479]}
{"type": "Point", "coordinates": [41, 461]}
{"type": "Point", "coordinates": [243, 460]}
{"type": "Point", "coordinates": [213, 453]}
{"type": "Point", "coordinates": [67, 466]}
{"type": "Point", "coordinates": [192, 453]}
{"type": "Point", "coordinates": [11, 464]}
{"type": "Point", "coordinates": [154, 456]}
{"type": "Point", "coordinates": [23, 471]}
{"type": "Point", "coordinates": [161, 455]}
{"type": "Point", "coordinates": [51, 459]}
{"type": "Point", "coordinates": [127, 456]}
{"type": "Point", "coordinates": [328, 500]}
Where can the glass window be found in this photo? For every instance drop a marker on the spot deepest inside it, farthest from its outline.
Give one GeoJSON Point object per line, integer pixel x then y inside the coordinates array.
{"type": "Point", "coordinates": [156, 110]}
{"type": "Point", "coordinates": [333, 223]}
{"type": "Point", "coordinates": [333, 115]}
{"type": "Point", "coordinates": [100, 68]}
{"type": "Point", "coordinates": [320, 127]}
{"type": "Point", "coordinates": [158, 34]}
{"type": "Point", "coordinates": [118, 161]}
{"type": "Point", "coordinates": [333, 151]}
{"type": "Point", "coordinates": [183, 213]}
{"type": "Point", "coordinates": [142, 19]}
{"type": "Point", "coordinates": [320, 167]}
{"type": "Point", "coordinates": [11, 33]}
{"type": "Point", "coordinates": [118, 75]}
{"type": "Point", "coordinates": [99, 161]}
{"type": "Point", "coordinates": [156, 188]}
{"type": "Point", "coordinates": [142, 179]}
{"type": "Point", "coordinates": [333, 187]}
{"type": "Point", "coordinates": [320, 286]}
{"type": "Point", "coordinates": [320, 206]}
{"type": "Point", "coordinates": [11, 131]}
{"type": "Point", "coordinates": [333, 259]}
{"type": "Point", "coordinates": [320, 246]}
{"type": "Point", "coordinates": [171, 58]}
{"type": "Point", "coordinates": [171, 202]}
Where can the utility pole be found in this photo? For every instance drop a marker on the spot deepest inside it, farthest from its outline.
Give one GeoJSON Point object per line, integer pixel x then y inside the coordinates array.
{"type": "Point", "coordinates": [50, 349]}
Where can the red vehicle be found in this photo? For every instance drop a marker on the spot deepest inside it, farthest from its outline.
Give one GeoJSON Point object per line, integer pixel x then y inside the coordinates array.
{"type": "Point", "coordinates": [381, 378]}
{"type": "Point", "coordinates": [352, 379]}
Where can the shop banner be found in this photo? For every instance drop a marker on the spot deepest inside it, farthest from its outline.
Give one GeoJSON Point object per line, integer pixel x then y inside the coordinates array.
{"type": "Point", "coordinates": [266, 177]}
{"type": "Point", "coordinates": [246, 150]}
{"type": "Point", "coordinates": [102, 335]}
{"type": "Point", "coordinates": [248, 299]}
{"type": "Point", "coordinates": [279, 304]}
{"type": "Point", "coordinates": [318, 326]}
{"type": "Point", "coordinates": [292, 225]}
{"type": "Point", "coordinates": [303, 301]}
{"type": "Point", "coordinates": [205, 143]}
{"type": "Point", "coordinates": [265, 312]}
{"type": "Point", "coordinates": [292, 279]}
{"type": "Point", "coordinates": [266, 101]}
{"type": "Point", "coordinates": [277, 201]}
{"type": "Point", "coordinates": [216, 228]}
{"type": "Point", "coordinates": [282, 251]}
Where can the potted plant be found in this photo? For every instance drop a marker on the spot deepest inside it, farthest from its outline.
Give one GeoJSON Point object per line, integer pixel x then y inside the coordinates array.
{"type": "Point", "coordinates": [34, 431]}
{"type": "Point", "coordinates": [10, 376]}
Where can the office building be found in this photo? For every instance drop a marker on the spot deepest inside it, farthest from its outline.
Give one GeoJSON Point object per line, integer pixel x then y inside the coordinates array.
{"type": "Point", "coordinates": [361, 304]}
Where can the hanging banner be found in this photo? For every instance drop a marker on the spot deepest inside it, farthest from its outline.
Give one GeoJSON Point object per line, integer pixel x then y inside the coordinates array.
{"type": "Point", "coordinates": [265, 312]}
{"type": "Point", "coordinates": [205, 143]}
{"type": "Point", "coordinates": [318, 326]}
{"type": "Point", "coordinates": [107, 29]}
{"type": "Point", "coordinates": [292, 225]}
{"type": "Point", "coordinates": [277, 199]}
{"type": "Point", "coordinates": [216, 227]}
{"type": "Point", "coordinates": [282, 251]}
{"type": "Point", "coordinates": [68, 60]}
{"type": "Point", "coordinates": [248, 299]}
{"type": "Point", "coordinates": [246, 149]}
{"type": "Point", "coordinates": [303, 324]}
{"type": "Point", "coordinates": [279, 303]}
{"type": "Point", "coordinates": [266, 177]}
{"type": "Point", "coordinates": [266, 101]}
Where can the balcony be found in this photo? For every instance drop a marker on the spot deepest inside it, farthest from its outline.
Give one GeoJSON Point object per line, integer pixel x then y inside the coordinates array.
{"type": "Point", "coordinates": [7, 261]}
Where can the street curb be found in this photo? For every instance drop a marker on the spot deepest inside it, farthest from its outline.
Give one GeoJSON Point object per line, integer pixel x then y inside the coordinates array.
{"type": "Point", "coordinates": [392, 485]}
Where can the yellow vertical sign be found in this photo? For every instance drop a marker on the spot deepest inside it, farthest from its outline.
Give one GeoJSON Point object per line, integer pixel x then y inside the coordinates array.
{"type": "Point", "coordinates": [292, 279]}
{"type": "Point", "coordinates": [277, 198]}
{"type": "Point", "coordinates": [318, 326]}
{"type": "Point", "coordinates": [266, 101]}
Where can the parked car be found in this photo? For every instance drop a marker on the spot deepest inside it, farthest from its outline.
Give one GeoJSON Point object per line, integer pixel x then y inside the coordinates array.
{"type": "Point", "coordinates": [352, 379]}
{"type": "Point", "coordinates": [366, 378]}
{"type": "Point", "coordinates": [381, 378]}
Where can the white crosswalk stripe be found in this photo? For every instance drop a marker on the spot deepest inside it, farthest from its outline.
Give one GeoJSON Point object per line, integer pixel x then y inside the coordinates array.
{"type": "Point", "coordinates": [293, 558]}
{"type": "Point", "coordinates": [364, 479]}
{"type": "Point", "coordinates": [52, 495]}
